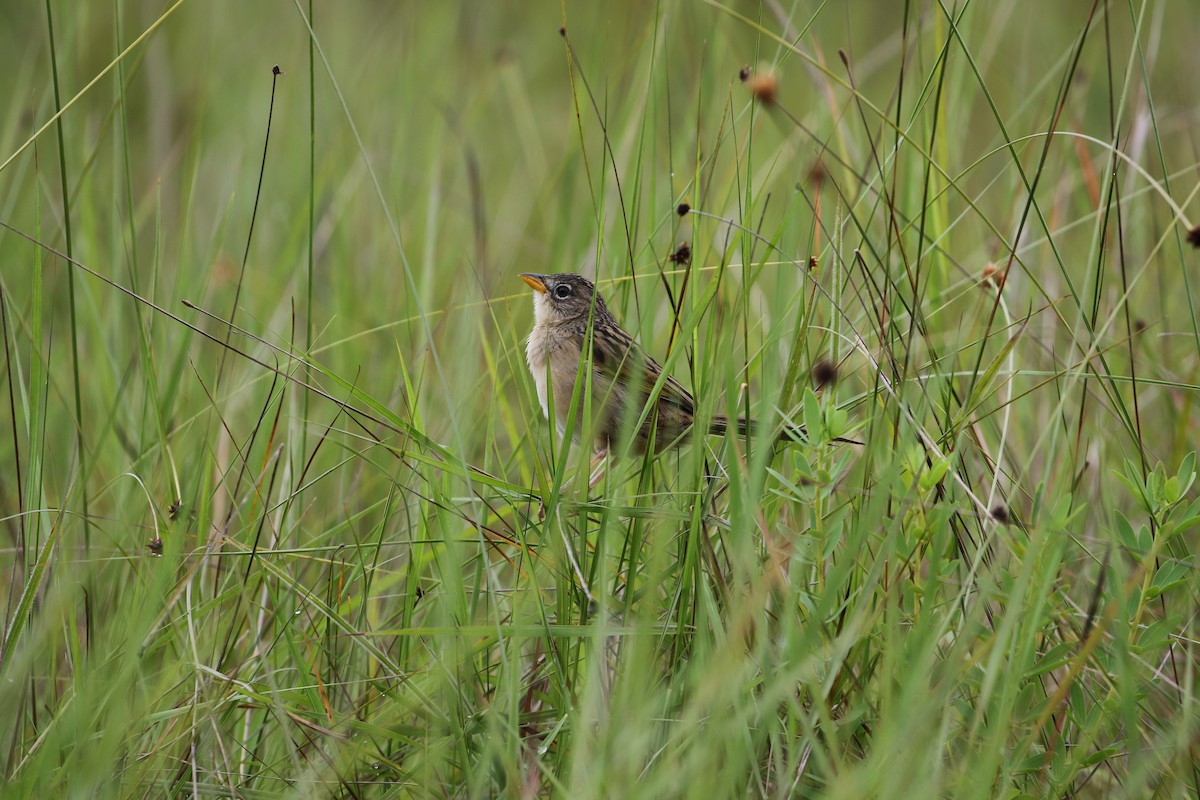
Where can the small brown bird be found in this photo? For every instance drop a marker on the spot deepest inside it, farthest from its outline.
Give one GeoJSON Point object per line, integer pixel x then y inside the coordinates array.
{"type": "Point", "coordinates": [623, 375]}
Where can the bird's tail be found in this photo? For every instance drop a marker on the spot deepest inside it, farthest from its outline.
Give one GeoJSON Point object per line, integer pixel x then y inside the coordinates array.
{"type": "Point", "coordinates": [721, 423]}
{"type": "Point", "coordinates": [746, 427]}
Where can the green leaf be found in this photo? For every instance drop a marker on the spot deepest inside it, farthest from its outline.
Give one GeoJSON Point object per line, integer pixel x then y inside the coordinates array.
{"type": "Point", "coordinates": [933, 475]}
{"type": "Point", "coordinates": [1133, 481]}
{"type": "Point", "coordinates": [1154, 637]}
{"type": "Point", "coordinates": [1100, 755]}
{"type": "Point", "coordinates": [1170, 575]}
{"type": "Point", "coordinates": [1127, 537]}
{"type": "Point", "coordinates": [1187, 473]}
{"type": "Point", "coordinates": [813, 418]}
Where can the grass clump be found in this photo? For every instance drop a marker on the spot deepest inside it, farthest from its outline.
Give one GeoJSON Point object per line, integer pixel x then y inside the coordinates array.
{"type": "Point", "coordinates": [284, 518]}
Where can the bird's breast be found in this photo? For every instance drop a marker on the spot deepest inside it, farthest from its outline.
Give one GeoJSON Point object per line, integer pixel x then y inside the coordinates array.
{"type": "Point", "coordinates": [553, 358]}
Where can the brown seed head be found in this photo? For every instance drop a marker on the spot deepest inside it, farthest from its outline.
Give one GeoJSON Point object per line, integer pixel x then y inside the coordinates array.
{"type": "Point", "coordinates": [817, 174]}
{"type": "Point", "coordinates": [764, 86]}
{"type": "Point", "coordinates": [992, 274]}
{"type": "Point", "coordinates": [682, 209]}
{"type": "Point", "coordinates": [682, 255]}
{"type": "Point", "coordinates": [1000, 513]}
{"type": "Point", "coordinates": [824, 373]}
{"type": "Point", "coordinates": [1193, 236]}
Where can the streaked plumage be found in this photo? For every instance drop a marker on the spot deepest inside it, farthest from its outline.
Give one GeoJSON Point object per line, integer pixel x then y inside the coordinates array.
{"type": "Point", "coordinates": [623, 375]}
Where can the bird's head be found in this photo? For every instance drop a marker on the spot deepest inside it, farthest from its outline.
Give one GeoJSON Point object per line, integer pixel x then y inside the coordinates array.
{"type": "Point", "coordinates": [562, 297]}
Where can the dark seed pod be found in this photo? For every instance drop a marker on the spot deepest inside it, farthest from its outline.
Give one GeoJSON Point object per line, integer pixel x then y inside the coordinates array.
{"type": "Point", "coordinates": [824, 373]}
{"type": "Point", "coordinates": [682, 255]}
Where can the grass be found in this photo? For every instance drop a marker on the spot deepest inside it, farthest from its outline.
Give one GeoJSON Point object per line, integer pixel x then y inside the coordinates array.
{"type": "Point", "coordinates": [333, 549]}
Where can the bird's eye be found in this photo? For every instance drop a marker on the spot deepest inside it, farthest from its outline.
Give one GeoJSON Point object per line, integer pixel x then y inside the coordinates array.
{"type": "Point", "coordinates": [562, 291]}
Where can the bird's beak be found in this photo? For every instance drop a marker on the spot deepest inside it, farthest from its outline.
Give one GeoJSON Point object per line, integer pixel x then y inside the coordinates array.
{"type": "Point", "coordinates": [535, 282]}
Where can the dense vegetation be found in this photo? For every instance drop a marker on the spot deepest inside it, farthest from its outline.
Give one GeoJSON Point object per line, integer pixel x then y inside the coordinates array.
{"type": "Point", "coordinates": [282, 516]}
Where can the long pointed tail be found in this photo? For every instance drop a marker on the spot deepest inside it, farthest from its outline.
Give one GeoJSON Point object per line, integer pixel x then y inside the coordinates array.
{"type": "Point", "coordinates": [721, 423]}
{"type": "Point", "coordinates": [746, 427]}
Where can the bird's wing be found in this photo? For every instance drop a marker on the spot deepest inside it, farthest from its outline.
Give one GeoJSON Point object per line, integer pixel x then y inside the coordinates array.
{"type": "Point", "coordinates": [621, 359]}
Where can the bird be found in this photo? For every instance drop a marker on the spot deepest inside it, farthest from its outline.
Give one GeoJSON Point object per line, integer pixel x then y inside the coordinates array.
{"type": "Point", "coordinates": [565, 307]}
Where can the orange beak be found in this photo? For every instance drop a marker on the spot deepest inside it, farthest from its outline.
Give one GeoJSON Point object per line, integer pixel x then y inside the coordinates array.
{"type": "Point", "coordinates": [535, 282]}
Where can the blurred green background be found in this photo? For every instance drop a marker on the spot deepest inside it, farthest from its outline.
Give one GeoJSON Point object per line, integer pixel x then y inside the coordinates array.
{"type": "Point", "coordinates": [417, 592]}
